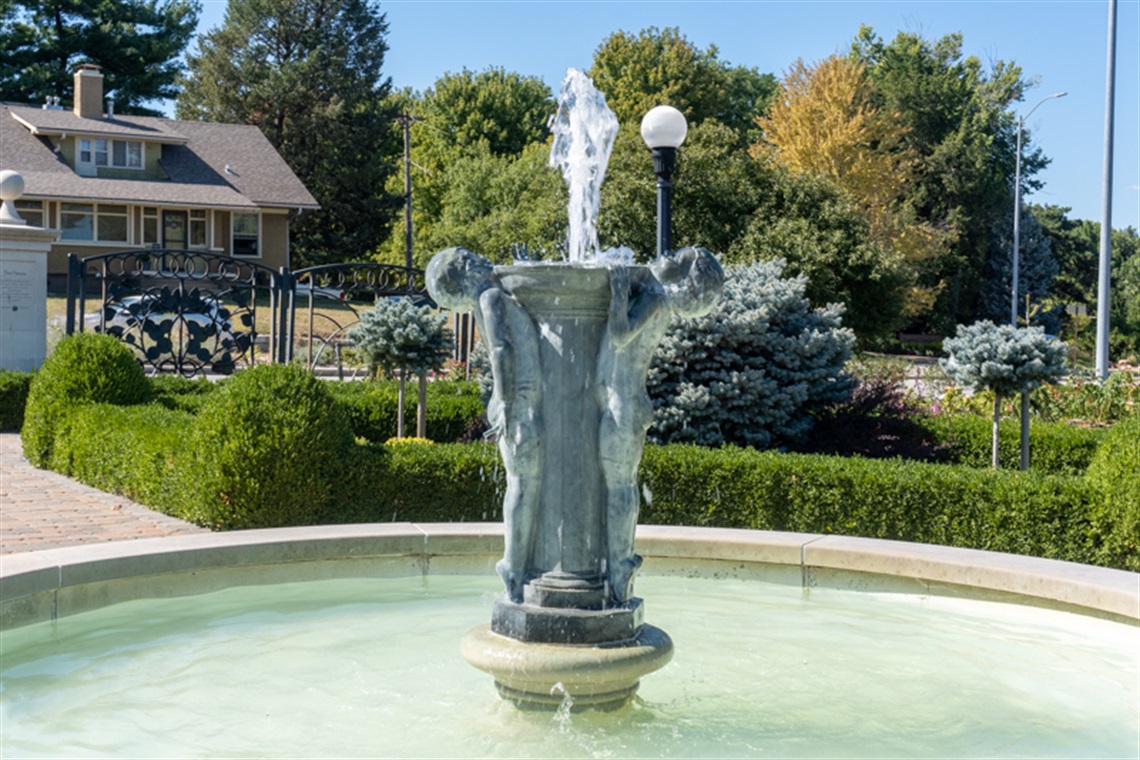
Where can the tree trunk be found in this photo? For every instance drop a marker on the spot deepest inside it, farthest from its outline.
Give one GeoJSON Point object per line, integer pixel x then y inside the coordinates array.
{"type": "Point", "coordinates": [400, 408]}
{"type": "Point", "coordinates": [1024, 430]}
{"type": "Point", "coordinates": [421, 408]}
{"type": "Point", "coordinates": [997, 417]}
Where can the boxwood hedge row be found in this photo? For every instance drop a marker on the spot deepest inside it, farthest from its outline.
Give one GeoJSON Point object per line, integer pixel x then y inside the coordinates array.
{"type": "Point", "coordinates": [1055, 447]}
{"type": "Point", "coordinates": [273, 447]}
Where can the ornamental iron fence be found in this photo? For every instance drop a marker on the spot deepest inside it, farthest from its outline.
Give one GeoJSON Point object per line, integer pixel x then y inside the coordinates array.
{"type": "Point", "coordinates": [194, 313]}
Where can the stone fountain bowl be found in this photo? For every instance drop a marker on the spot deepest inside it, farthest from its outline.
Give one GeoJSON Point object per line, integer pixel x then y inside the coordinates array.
{"type": "Point", "coordinates": [49, 589]}
{"type": "Point", "coordinates": [47, 585]}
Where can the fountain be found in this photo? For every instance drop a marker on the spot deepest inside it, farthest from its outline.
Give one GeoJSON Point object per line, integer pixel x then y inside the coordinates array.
{"type": "Point", "coordinates": [570, 346]}
{"type": "Point", "coordinates": [332, 641]}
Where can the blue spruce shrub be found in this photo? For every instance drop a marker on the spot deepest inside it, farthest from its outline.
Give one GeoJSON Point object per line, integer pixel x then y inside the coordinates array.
{"type": "Point", "coordinates": [398, 334]}
{"type": "Point", "coordinates": [753, 371]}
{"type": "Point", "coordinates": [1003, 358]}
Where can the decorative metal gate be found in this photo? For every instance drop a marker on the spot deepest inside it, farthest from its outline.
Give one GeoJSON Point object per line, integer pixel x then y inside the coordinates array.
{"type": "Point", "coordinates": [329, 300]}
{"type": "Point", "coordinates": [193, 313]}
{"type": "Point", "coordinates": [184, 312]}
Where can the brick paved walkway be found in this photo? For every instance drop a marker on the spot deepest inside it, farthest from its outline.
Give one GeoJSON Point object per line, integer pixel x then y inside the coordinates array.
{"type": "Point", "coordinates": [44, 510]}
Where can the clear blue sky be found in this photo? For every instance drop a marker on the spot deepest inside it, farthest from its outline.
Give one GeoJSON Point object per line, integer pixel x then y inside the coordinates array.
{"type": "Point", "coordinates": [1060, 44]}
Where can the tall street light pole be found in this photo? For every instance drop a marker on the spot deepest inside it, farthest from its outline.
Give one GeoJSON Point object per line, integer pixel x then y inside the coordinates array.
{"type": "Point", "coordinates": [1017, 208]}
{"type": "Point", "coordinates": [664, 129]}
{"type": "Point", "coordinates": [1104, 273]}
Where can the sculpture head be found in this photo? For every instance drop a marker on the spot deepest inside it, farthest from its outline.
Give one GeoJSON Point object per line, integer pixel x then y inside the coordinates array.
{"type": "Point", "coordinates": [693, 280]}
{"type": "Point", "coordinates": [456, 277]}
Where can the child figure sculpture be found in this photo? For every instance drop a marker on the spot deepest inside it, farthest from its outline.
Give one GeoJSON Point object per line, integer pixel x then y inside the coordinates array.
{"type": "Point", "coordinates": [463, 281]}
{"type": "Point", "coordinates": [689, 283]}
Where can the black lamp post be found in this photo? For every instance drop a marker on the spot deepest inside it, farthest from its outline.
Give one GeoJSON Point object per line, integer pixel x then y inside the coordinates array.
{"type": "Point", "coordinates": [664, 129]}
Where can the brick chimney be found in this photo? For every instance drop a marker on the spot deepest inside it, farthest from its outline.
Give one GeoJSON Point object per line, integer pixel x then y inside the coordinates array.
{"type": "Point", "coordinates": [89, 92]}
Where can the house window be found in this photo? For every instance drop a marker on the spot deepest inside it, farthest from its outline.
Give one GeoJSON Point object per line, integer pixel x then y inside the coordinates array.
{"type": "Point", "coordinates": [77, 221]}
{"type": "Point", "coordinates": [198, 228]}
{"type": "Point", "coordinates": [97, 222]}
{"type": "Point", "coordinates": [246, 229]}
{"type": "Point", "coordinates": [111, 223]}
{"type": "Point", "coordinates": [150, 225]}
{"type": "Point", "coordinates": [31, 212]}
{"type": "Point", "coordinates": [122, 154]}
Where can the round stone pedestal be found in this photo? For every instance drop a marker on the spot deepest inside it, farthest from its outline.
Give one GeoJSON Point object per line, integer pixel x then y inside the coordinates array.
{"type": "Point", "coordinates": [600, 676]}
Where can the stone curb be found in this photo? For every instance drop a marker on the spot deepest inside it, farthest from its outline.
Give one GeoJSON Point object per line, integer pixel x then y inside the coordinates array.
{"type": "Point", "coordinates": [45, 585]}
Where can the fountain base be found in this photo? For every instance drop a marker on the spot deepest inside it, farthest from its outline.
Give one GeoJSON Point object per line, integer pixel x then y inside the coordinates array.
{"type": "Point", "coordinates": [543, 675]}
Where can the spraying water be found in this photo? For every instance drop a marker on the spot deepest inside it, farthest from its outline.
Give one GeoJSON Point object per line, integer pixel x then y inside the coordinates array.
{"type": "Point", "coordinates": [584, 130]}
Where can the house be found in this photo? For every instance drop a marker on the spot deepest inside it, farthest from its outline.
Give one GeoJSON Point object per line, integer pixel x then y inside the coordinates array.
{"type": "Point", "coordinates": [110, 183]}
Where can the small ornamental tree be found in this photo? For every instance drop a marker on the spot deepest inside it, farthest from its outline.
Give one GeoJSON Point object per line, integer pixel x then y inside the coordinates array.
{"type": "Point", "coordinates": [399, 335]}
{"type": "Point", "coordinates": [1006, 360]}
{"type": "Point", "coordinates": [754, 370]}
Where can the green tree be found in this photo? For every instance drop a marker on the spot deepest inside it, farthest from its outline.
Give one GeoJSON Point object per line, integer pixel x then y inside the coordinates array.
{"type": "Point", "coordinates": [963, 134]}
{"type": "Point", "coordinates": [137, 43]}
{"type": "Point", "coordinates": [478, 167]}
{"type": "Point", "coordinates": [655, 67]}
{"type": "Point", "coordinates": [826, 123]}
{"type": "Point", "coordinates": [748, 210]}
{"type": "Point", "coordinates": [1036, 270]}
{"type": "Point", "coordinates": [308, 73]}
{"type": "Point", "coordinates": [1075, 244]}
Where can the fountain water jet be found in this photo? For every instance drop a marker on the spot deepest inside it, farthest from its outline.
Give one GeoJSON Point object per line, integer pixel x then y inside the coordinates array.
{"type": "Point", "coordinates": [570, 346]}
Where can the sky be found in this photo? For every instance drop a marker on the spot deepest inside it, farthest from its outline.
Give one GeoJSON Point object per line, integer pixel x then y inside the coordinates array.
{"type": "Point", "coordinates": [1061, 45]}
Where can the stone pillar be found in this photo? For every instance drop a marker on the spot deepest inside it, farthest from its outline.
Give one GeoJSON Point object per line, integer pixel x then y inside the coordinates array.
{"type": "Point", "coordinates": [23, 282]}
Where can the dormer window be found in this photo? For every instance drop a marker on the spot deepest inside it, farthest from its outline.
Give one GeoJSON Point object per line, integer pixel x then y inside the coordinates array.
{"type": "Point", "coordinates": [120, 154]}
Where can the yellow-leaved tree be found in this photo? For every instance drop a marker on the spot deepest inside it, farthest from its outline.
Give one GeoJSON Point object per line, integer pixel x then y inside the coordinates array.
{"type": "Point", "coordinates": [824, 122]}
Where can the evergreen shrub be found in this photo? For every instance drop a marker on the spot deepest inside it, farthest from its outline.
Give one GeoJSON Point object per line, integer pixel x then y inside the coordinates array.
{"type": "Point", "coordinates": [183, 393]}
{"type": "Point", "coordinates": [1022, 513]}
{"type": "Point", "coordinates": [754, 370]}
{"type": "Point", "coordinates": [452, 408]}
{"type": "Point", "coordinates": [84, 368]}
{"type": "Point", "coordinates": [129, 450]}
{"type": "Point", "coordinates": [440, 483]}
{"type": "Point", "coordinates": [13, 398]}
{"type": "Point", "coordinates": [1058, 447]}
{"type": "Point", "coordinates": [266, 450]}
{"type": "Point", "coordinates": [1115, 474]}
{"type": "Point", "coordinates": [400, 334]}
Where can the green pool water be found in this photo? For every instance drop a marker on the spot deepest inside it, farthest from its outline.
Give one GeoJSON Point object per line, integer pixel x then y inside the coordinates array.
{"type": "Point", "coordinates": [371, 668]}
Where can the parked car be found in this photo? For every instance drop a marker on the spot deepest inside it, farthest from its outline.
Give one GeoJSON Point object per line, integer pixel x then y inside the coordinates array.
{"type": "Point", "coordinates": [154, 309]}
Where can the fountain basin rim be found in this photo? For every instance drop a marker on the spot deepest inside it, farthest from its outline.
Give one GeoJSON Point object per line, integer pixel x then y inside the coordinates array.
{"type": "Point", "coordinates": [46, 585]}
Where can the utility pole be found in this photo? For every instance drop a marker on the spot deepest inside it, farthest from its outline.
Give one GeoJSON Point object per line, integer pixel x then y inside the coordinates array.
{"type": "Point", "coordinates": [406, 120]}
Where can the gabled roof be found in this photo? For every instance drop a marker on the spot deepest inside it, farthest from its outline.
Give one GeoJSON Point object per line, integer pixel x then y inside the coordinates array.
{"type": "Point", "coordinates": [195, 156]}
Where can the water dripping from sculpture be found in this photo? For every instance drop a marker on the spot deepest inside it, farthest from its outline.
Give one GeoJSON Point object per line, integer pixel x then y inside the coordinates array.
{"type": "Point", "coordinates": [570, 345]}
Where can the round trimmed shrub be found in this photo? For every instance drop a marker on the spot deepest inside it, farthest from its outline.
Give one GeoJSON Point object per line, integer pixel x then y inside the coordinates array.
{"type": "Point", "coordinates": [1115, 473]}
{"type": "Point", "coordinates": [85, 368]}
{"type": "Point", "coordinates": [265, 451]}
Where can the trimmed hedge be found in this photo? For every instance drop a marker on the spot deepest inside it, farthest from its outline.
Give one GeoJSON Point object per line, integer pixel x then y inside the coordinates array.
{"type": "Point", "coordinates": [13, 398]}
{"type": "Point", "coordinates": [1054, 447]}
{"type": "Point", "coordinates": [182, 393]}
{"type": "Point", "coordinates": [1115, 474]}
{"type": "Point", "coordinates": [452, 408]}
{"type": "Point", "coordinates": [265, 451]}
{"type": "Point", "coordinates": [85, 368]}
{"type": "Point", "coordinates": [271, 447]}
{"type": "Point", "coordinates": [129, 450]}
{"type": "Point", "coordinates": [1009, 511]}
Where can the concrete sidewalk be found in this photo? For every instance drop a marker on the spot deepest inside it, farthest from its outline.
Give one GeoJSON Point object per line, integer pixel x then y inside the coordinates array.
{"type": "Point", "coordinates": [44, 510]}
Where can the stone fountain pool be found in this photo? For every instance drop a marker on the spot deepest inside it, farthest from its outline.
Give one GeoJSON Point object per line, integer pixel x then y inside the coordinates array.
{"type": "Point", "coordinates": [343, 641]}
